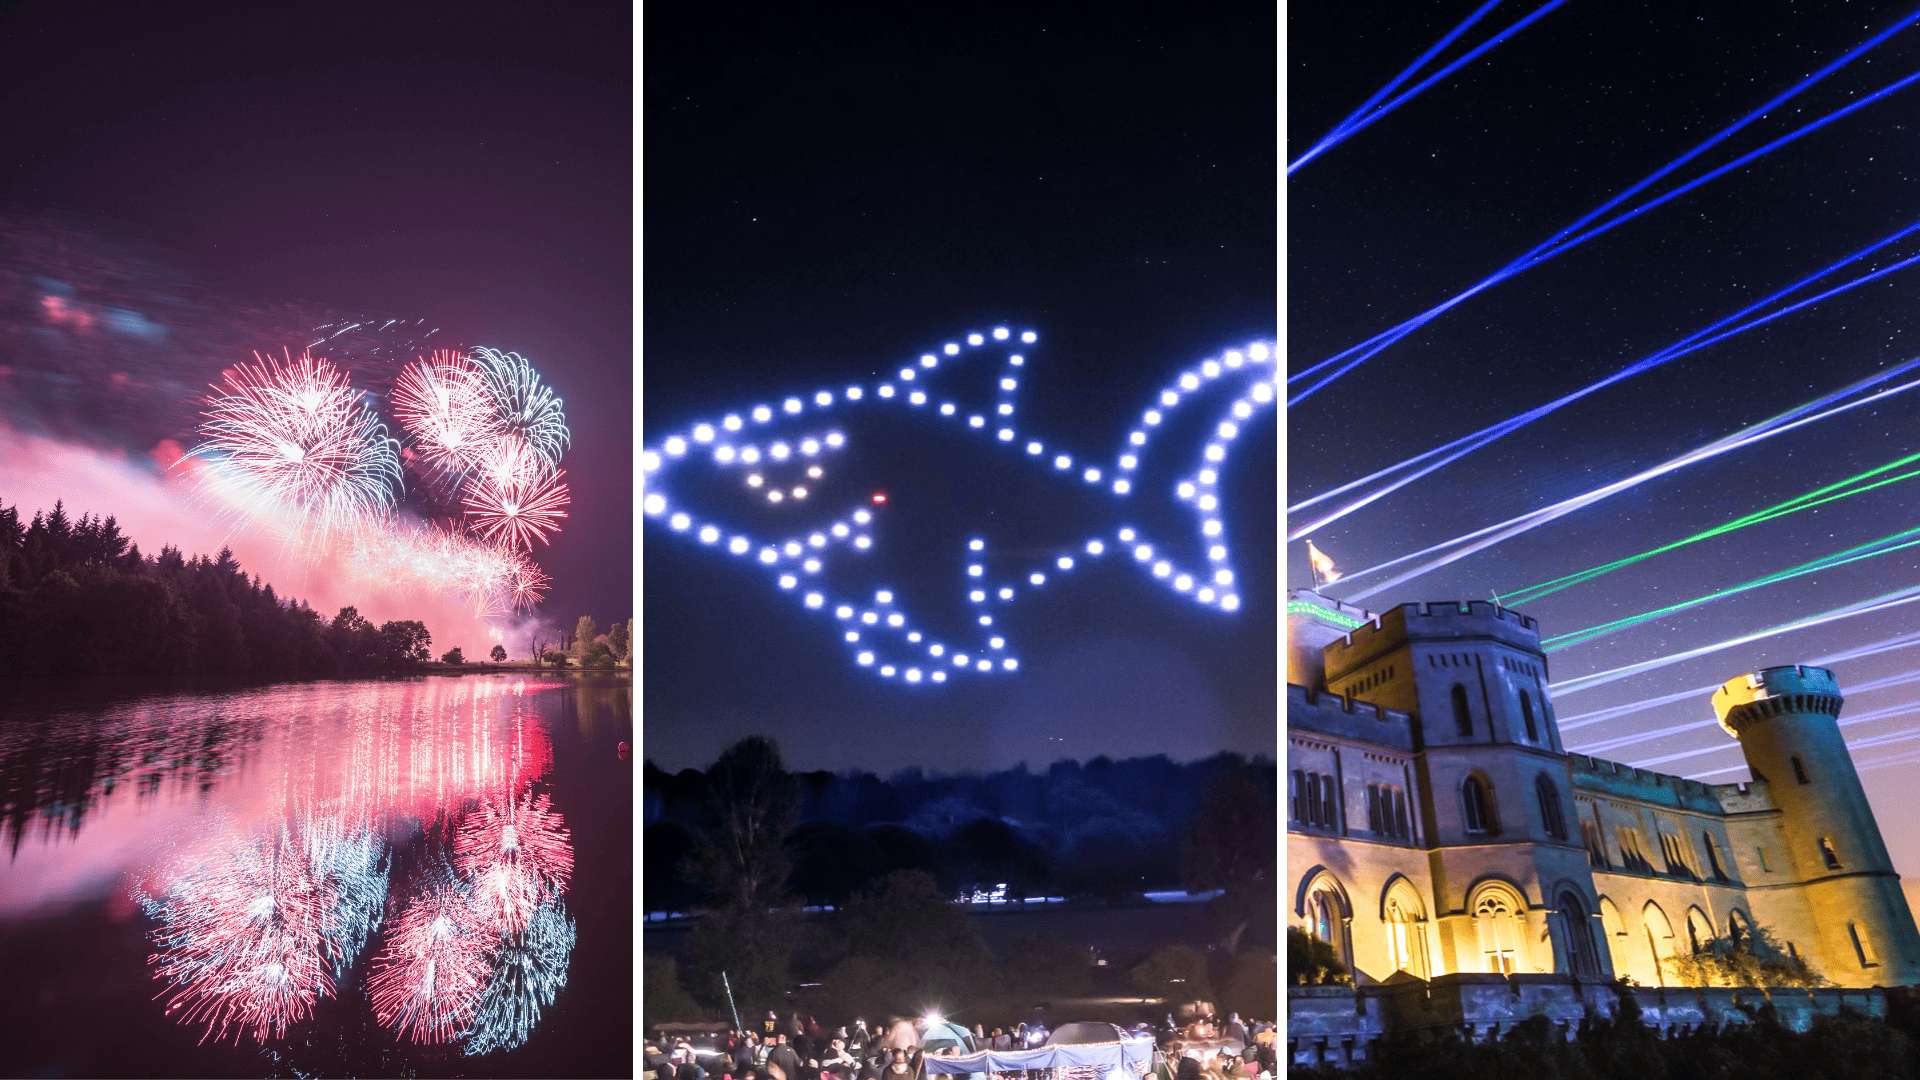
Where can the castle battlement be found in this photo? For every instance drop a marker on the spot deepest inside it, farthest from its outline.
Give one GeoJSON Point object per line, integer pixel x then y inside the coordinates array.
{"type": "Point", "coordinates": [1435, 621]}
{"type": "Point", "coordinates": [1338, 715]}
{"type": "Point", "coordinates": [1619, 780]}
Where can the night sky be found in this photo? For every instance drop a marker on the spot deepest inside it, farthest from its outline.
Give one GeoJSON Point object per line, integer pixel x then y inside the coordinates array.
{"type": "Point", "coordinates": [830, 193]}
{"type": "Point", "coordinates": [468, 163]}
{"type": "Point", "coordinates": [1495, 160]}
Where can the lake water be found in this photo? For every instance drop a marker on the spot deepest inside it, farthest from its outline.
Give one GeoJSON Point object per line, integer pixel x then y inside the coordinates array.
{"type": "Point", "coordinates": [426, 876]}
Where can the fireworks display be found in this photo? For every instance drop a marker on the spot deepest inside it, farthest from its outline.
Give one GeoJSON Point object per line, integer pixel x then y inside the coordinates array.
{"type": "Point", "coordinates": [484, 945]}
{"type": "Point", "coordinates": [426, 983]}
{"type": "Point", "coordinates": [516, 852]}
{"type": "Point", "coordinates": [530, 970]}
{"type": "Point", "coordinates": [522, 406]}
{"type": "Point", "coordinates": [291, 440]}
{"type": "Point", "coordinates": [253, 929]}
{"type": "Point", "coordinates": [440, 399]}
{"type": "Point", "coordinates": [294, 433]}
{"type": "Point", "coordinates": [518, 513]}
{"type": "Point", "coordinates": [254, 926]}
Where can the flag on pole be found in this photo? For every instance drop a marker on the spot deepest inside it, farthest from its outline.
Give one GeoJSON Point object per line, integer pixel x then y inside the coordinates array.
{"type": "Point", "coordinates": [1324, 572]}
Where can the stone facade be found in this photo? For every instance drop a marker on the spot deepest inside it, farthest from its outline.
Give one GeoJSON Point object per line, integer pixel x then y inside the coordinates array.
{"type": "Point", "coordinates": [1438, 829]}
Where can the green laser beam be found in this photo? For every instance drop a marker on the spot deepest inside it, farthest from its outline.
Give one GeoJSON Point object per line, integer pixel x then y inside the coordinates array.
{"type": "Point", "coordinates": [1315, 611]}
{"type": "Point", "coordinates": [1886, 545]}
{"type": "Point", "coordinates": [1820, 496]}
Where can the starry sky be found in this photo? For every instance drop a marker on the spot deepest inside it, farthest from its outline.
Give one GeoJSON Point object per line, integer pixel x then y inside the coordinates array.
{"type": "Point", "coordinates": [1497, 158]}
{"type": "Point", "coordinates": [237, 172]}
{"type": "Point", "coordinates": [830, 193]}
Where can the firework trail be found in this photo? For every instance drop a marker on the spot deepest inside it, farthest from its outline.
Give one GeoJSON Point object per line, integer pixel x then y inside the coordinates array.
{"type": "Point", "coordinates": [426, 983]}
{"type": "Point", "coordinates": [251, 932]}
{"type": "Point", "coordinates": [294, 434]}
{"type": "Point", "coordinates": [517, 853]}
{"type": "Point", "coordinates": [530, 970]}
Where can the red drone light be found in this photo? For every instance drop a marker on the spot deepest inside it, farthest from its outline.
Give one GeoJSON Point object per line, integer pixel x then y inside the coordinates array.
{"type": "Point", "coordinates": [879, 498]}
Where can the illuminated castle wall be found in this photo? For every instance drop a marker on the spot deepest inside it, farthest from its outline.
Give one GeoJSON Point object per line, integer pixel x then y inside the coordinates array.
{"type": "Point", "coordinates": [1436, 824]}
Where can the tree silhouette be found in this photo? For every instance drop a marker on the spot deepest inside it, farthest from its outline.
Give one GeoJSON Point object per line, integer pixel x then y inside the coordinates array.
{"type": "Point", "coordinates": [77, 596]}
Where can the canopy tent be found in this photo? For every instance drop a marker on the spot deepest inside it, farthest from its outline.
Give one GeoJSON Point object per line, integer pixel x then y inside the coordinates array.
{"type": "Point", "coordinates": [947, 1037]}
{"type": "Point", "coordinates": [1087, 1032]}
{"type": "Point", "coordinates": [1116, 1059]}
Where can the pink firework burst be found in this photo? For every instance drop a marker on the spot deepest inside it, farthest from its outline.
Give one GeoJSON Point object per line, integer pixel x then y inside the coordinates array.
{"type": "Point", "coordinates": [294, 435]}
{"type": "Point", "coordinates": [516, 513]}
{"type": "Point", "coordinates": [441, 400]}
{"type": "Point", "coordinates": [426, 983]}
{"type": "Point", "coordinates": [526, 587]}
{"type": "Point", "coordinates": [242, 935]}
{"type": "Point", "coordinates": [517, 852]}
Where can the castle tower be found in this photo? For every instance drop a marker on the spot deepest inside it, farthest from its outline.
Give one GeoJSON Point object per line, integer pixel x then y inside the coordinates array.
{"type": "Point", "coordinates": [1786, 719]}
{"type": "Point", "coordinates": [1512, 884]}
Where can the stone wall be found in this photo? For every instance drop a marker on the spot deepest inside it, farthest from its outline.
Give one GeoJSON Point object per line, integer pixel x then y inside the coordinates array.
{"type": "Point", "coordinates": [1338, 1025]}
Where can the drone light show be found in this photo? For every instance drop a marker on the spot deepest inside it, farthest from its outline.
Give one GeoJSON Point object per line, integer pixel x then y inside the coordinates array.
{"type": "Point", "coordinates": [781, 455]}
{"type": "Point", "coordinates": [290, 445]}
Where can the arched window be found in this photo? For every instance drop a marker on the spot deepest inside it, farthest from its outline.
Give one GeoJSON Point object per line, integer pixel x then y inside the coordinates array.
{"type": "Point", "coordinates": [1699, 930]}
{"type": "Point", "coordinates": [1582, 958]}
{"type": "Point", "coordinates": [1739, 930]}
{"type": "Point", "coordinates": [1477, 806]}
{"type": "Point", "coordinates": [1617, 940]}
{"type": "Point", "coordinates": [1659, 938]}
{"type": "Point", "coordinates": [1799, 769]}
{"type": "Point", "coordinates": [1462, 717]}
{"type": "Point", "coordinates": [1406, 920]}
{"type": "Point", "coordinates": [1526, 714]}
{"type": "Point", "coordinates": [1327, 911]}
{"type": "Point", "coordinates": [1831, 856]}
{"type": "Point", "coordinates": [1496, 919]}
{"type": "Point", "coordinates": [1550, 816]}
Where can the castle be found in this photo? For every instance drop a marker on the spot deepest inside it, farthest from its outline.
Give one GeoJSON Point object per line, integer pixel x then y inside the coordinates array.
{"type": "Point", "coordinates": [1437, 827]}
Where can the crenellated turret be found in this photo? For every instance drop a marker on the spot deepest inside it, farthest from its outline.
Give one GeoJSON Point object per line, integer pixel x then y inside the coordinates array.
{"type": "Point", "coordinates": [1787, 721]}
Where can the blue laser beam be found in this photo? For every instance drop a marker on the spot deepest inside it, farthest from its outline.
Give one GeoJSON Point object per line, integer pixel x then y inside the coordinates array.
{"type": "Point", "coordinates": [1565, 239]}
{"type": "Point", "coordinates": [1632, 369]}
{"type": "Point", "coordinates": [1694, 342]}
{"type": "Point", "coordinates": [1327, 140]}
{"type": "Point", "coordinates": [1361, 118]}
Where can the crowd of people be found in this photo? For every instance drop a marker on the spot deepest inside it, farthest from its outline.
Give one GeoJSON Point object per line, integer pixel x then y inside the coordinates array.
{"type": "Point", "coordinates": [801, 1048]}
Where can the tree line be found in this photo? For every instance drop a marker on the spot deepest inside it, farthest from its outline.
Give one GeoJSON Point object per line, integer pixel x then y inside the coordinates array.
{"type": "Point", "coordinates": [77, 596]}
{"type": "Point", "coordinates": [749, 845]}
